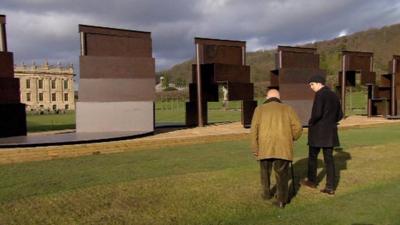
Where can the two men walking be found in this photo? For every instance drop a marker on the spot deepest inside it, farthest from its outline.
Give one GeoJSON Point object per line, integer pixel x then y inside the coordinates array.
{"type": "Point", "coordinates": [275, 126]}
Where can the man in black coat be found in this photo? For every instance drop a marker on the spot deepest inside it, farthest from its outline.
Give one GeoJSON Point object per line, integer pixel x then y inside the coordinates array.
{"type": "Point", "coordinates": [322, 133]}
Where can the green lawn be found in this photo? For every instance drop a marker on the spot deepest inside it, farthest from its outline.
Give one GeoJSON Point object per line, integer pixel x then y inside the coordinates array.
{"type": "Point", "coordinates": [213, 183]}
{"type": "Point", "coordinates": [49, 122]}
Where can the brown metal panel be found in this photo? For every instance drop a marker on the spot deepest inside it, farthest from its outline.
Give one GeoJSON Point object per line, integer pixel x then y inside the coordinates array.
{"type": "Point", "coordinates": [222, 54]}
{"type": "Point", "coordinates": [368, 77]}
{"type": "Point", "coordinates": [2, 19]}
{"type": "Point", "coordinates": [350, 78]}
{"type": "Point", "coordinates": [223, 73]}
{"type": "Point", "coordinates": [386, 80]}
{"type": "Point", "coordinates": [209, 41]}
{"type": "Point", "coordinates": [301, 76]}
{"type": "Point", "coordinates": [358, 63]}
{"type": "Point", "coordinates": [210, 92]}
{"type": "Point", "coordinates": [6, 64]}
{"type": "Point", "coordinates": [357, 53]}
{"type": "Point", "coordinates": [299, 60]}
{"type": "Point", "coordinates": [191, 114]}
{"type": "Point", "coordinates": [274, 78]}
{"type": "Point", "coordinates": [240, 91]}
{"type": "Point", "coordinates": [296, 91]}
{"type": "Point", "coordinates": [384, 92]}
{"type": "Point", "coordinates": [297, 49]}
{"type": "Point", "coordinates": [12, 120]}
{"type": "Point", "coordinates": [9, 90]}
{"type": "Point", "coordinates": [248, 108]}
{"type": "Point", "coordinates": [303, 109]}
{"type": "Point", "coordinates": [380, 107]}
{"type": "Point", "coordinates": [232, 73]}
{"type": "Point", "coordinates": [113, 31]}
{"type": "Point", "coordinates": [106, 45]}
{"type": "Point", "coordinates": [116, 67]}
{"type": "Point", "coordinates": [116, 90]}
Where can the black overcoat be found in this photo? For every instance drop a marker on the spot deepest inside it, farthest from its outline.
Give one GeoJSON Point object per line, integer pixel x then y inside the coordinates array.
{"type": "Point", "coordinates": [325, 114]}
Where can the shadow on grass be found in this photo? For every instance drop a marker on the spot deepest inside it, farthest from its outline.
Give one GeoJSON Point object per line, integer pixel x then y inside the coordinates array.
{"type": "Point", "coordinates": [300, 170]}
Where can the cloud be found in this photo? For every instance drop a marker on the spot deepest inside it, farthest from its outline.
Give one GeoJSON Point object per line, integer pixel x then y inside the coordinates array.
{"type": "Point", "coordinates": [47, 29]}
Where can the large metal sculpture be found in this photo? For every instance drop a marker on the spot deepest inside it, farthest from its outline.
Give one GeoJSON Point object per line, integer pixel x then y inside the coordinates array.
{"type": "Point", "coordinates": [117, 79]}
{"type": "Point", "coordinates": [353, 63]}
{"type": "Point", "coordinates": [219, 62]}
{"type": "Point", "coordinates": [383, 99]}
{"type": "Point", "coordinates": [293, 68]}
{"type": "Point", "coordinates": [12, 111]}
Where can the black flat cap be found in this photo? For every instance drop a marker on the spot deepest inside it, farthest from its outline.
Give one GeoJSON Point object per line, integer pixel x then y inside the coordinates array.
{"type": "Point", "coordinates": [317, 79]}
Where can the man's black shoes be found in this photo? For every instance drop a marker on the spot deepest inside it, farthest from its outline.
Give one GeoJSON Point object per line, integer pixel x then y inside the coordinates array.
{"type": "Point", "coordinates": [328, 191]}
{"type": "Point", "coordinates": [308, 184]}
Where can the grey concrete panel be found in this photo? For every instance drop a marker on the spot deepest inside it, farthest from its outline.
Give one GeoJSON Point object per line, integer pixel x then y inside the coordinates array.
{"type": "Point", "coordinates": [106, 45]}
{"type": "Point", "coordinates": [6, 65]}
{"type": "Point", "coordinates": [114, 116]}
{"type": "Point", "coordinates": [303, 109]}
{"type": "Point", "coordinates": [296, 91]}
{"type": "Point", "coordinates": [116, 90]}
{"type": "Point", "coordinates": [116, 67]}
{"type": "Point", "coordinates": [114, 31]}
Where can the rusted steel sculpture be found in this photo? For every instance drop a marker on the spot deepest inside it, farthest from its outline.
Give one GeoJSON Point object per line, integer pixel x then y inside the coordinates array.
{"type": "Point", "coordinates": [219, 62]}
{"type": "Point", "coordinates": [353, 63]}
{"type": "Point", "coordinates": [293, 68]}
{"type": "Point", "coordinates": [383, 99]}
{"type": "Point", "coordinates": [117, 79]}
{"type": "Point", "coordinates": [12, 111]}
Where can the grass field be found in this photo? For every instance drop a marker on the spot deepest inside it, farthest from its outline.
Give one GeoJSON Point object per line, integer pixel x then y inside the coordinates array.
{"type": "Point", "coordinates": [174, 112]}
{"type": "Point", "coordinates": [213, 183]}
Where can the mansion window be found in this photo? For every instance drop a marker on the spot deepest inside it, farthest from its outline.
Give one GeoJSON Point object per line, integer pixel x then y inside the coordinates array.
{"type": "Point", "coordinates": [28, 97]}
{"type": "Point", "coordinates": [65, 84]}
{"type": "Point", "coordinates": [28, 83]}
{"type": "Point", "coordinates": [53, 84]}
{"type": "Point", "coordinates": [41, 97]}
{"type": "Point", "coordinates": [53, 97]}
{"type": "Point", "coordinates": [66, 97]}
{"type": "Point", "coordinates": [40, 84]}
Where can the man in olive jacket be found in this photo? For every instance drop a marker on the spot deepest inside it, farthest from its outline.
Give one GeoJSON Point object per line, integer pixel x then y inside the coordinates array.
{"type": "Point", "coordinates": [274, 127]}
{"type": "Point", "coordinates": [322, 133]}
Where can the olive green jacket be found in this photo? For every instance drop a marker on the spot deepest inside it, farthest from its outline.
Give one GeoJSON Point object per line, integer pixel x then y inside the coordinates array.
{"type": "Point", "coordinates": [274, 127]}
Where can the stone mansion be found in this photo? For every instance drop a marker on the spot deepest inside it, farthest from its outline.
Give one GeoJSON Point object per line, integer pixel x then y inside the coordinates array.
{"type": "Point", "coordinates": [46, 88]}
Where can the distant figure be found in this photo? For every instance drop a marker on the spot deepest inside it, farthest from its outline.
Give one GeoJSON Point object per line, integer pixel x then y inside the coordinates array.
{"type": "Point", "coordinates": [322, 133]}
{"type": "Point", "coordinates": [274, 127]}
{"type": "Point", "coordinates": [225, 99]}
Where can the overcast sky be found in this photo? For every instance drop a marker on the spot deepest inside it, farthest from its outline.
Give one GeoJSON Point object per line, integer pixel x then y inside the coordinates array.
{"type": "Point", "coordinates": [48, 29]}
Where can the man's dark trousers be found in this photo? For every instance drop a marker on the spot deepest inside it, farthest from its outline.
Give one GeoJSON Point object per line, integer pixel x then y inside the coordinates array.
{"type": "Point", "coordinates": [329, 165]}
{"type": "Point", "coordinates": [281, 169]}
